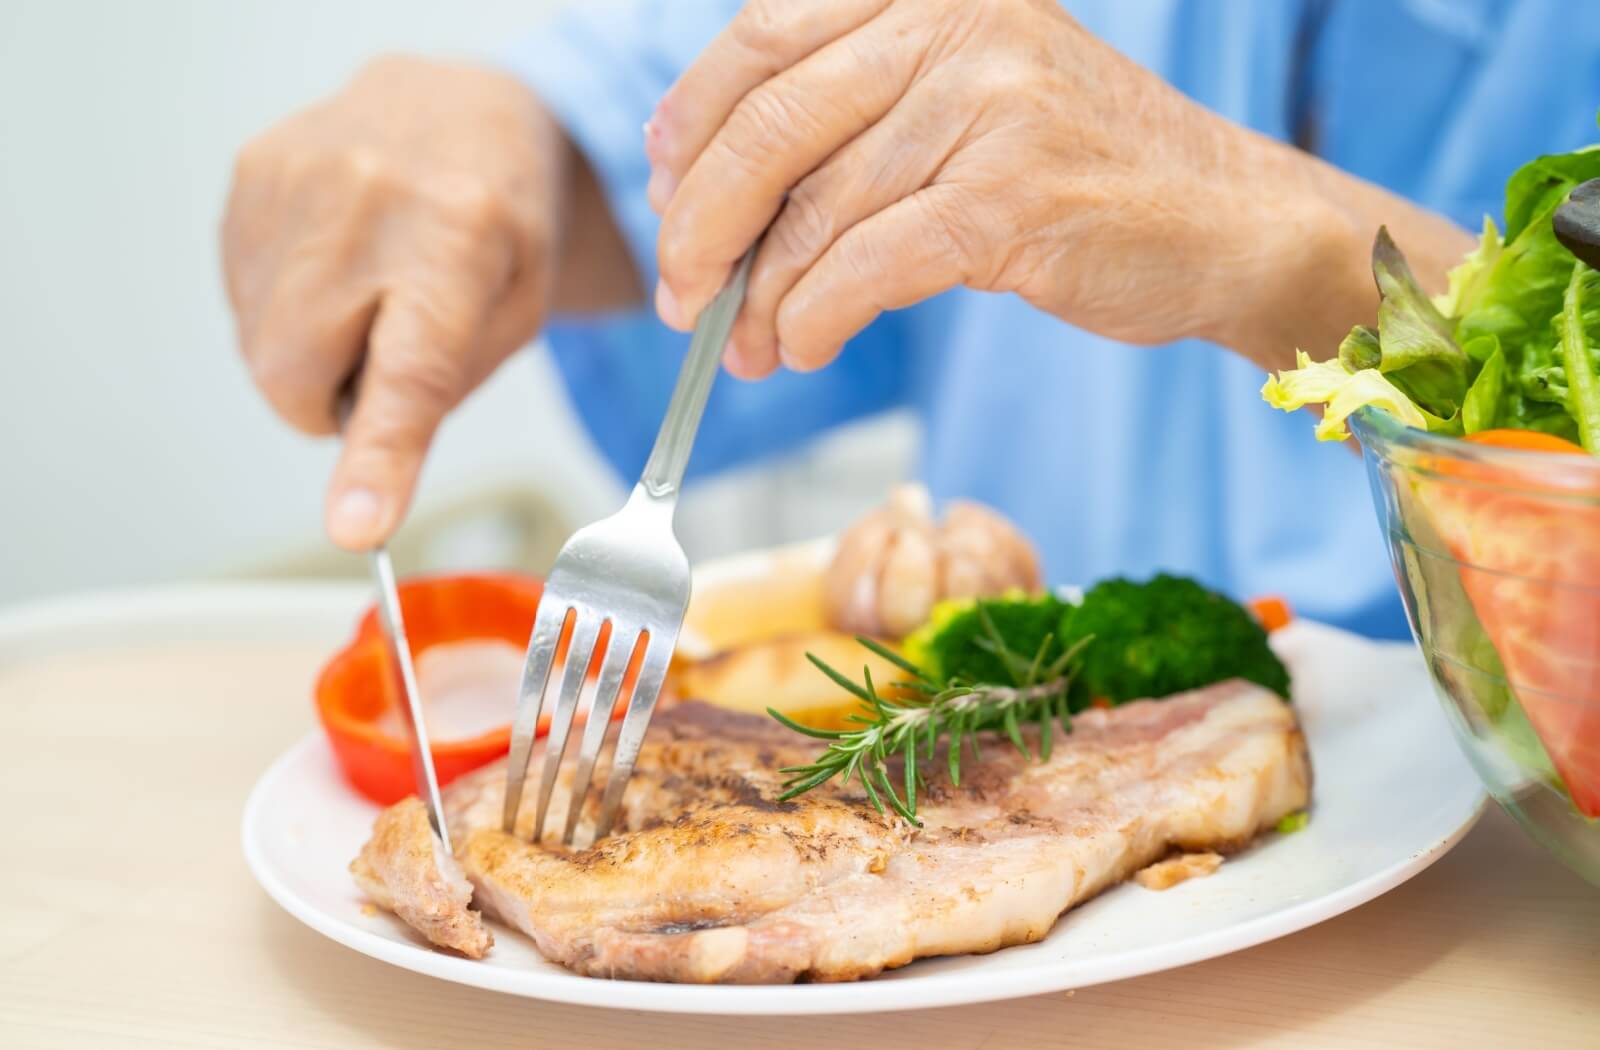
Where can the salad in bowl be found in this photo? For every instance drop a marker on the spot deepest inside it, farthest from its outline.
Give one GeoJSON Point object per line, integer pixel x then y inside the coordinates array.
{"type": "Point", "coordinates": [1478, 413]}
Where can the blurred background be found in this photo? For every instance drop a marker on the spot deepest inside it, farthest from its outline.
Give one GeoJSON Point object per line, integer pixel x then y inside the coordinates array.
{"type": "Point", "coordinates": [135, 450]}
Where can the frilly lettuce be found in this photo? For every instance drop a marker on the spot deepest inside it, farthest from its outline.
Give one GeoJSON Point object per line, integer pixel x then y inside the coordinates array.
{"type": "Point", "coordinates": [1513, 342]}
{"type": "Point", "coordinates": [1330, 383]}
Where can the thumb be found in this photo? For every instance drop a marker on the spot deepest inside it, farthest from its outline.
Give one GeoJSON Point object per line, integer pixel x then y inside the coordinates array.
{"type": "Point", "coordinates": [415, 372]}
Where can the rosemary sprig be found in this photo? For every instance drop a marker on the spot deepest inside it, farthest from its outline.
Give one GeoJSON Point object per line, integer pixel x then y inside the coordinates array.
{"type": "Point", "coordinates": [953, 709]}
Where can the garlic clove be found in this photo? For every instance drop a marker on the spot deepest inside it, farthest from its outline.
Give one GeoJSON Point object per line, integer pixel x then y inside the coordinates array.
{"type": "Point", "coordinates": [1003, 556]}
{"type": "Point", "coordinates": [850, 587]}
{"type": "Point", "coordinates": [909, 583]}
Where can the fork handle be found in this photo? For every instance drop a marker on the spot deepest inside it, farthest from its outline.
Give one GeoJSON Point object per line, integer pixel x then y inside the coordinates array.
{"type": "Point", "coordinates": [663, 473]}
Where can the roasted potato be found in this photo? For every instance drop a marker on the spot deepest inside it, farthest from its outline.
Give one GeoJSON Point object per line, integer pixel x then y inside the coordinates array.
{"type": "Point", "coordinates": [775, 673]}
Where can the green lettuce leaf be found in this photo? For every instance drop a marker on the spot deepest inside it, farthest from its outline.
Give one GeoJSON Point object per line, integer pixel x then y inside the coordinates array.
{"type": "Point", "coordinates": [1481, 409]}
{"type": "Point", "coordinates": [1417, 349]}
{"type": "Point", "coordinates": [1360, 349]}
{"type": "Point", "coordinates": [1544, 182]}
{"type": "Point", "coordinates": [1583, 380]}
{"type": "Point", "coordinates": [1518, 290]}
{"type": "Point", "coordinates": [1494, 350]}
{"type": "Point", "coordinates": [1468, 278]}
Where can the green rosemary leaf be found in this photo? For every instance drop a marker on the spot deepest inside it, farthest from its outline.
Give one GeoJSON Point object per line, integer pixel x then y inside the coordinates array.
{"type": "Point", "coordinates": [789, 723]}
{"type": "Point", "coordinates": [887, 788]}
{"type": "Point", "coordinates": [872, 794]}
{"type": "Point", "coordinates": [1038, 658]}
{"type": "Point", "coordinates": [1058, 666]}
{"type": "Point", "coordinates": [957, 710]}
{"type": "Point", "coordinates": [840, 680]}
{"type": "Point", "coordinates": [821, 777]}
{"type": "Point", "coordinates": [910, 754]}
{"type": "Point", "coordinates": [894, 658]}
{"type": "Point", "coordinates": [1009, 659]}
{"type": "Point", "coordinates": [1012, 731]}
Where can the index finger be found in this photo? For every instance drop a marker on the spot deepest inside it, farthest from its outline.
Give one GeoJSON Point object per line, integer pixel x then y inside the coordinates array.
{"type": "Point", "coordinates": [776, 135]}
{"type": "Point", "coordinates": [765, 38]}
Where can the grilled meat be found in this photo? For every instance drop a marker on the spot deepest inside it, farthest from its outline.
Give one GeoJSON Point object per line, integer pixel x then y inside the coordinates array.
{"type": "Point", "coordinates": [709, 879]}
{"type": "Point", "coordinates": [405, 869]}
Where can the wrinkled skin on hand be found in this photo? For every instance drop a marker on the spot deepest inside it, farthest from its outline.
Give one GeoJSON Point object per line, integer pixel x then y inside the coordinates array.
{"type": "Point", "coordinates": [406, 226]}
{"type": "Point", "coordinates": [898, 148]}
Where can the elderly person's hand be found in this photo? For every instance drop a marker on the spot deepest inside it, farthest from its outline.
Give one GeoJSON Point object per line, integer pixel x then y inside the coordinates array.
{"type": "Point", "coordinates": [412, 226]}
{"type": "Point", "coordinates": [899, 148]}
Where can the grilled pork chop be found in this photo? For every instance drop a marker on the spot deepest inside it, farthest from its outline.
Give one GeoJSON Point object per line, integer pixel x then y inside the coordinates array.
{"type": "Point", "coordinates": [404, 868]}
{"type": "Point", "coordinates": [711, 880]}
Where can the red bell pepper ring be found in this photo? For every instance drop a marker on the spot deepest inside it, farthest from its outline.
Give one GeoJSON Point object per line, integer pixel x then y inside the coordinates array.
{"type": "Point", "coordinates": [358, 685]}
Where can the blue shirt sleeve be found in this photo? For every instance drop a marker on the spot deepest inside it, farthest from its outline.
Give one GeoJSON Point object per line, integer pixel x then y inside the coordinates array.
{"type": "Point", "coordinates": [1432, 99]}
{"type": "Point", "coordinates": [600, 68]}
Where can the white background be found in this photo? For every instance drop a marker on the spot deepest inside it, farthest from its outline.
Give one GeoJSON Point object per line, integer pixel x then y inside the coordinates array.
{"type": "Point", "coordinates": [132, 447]}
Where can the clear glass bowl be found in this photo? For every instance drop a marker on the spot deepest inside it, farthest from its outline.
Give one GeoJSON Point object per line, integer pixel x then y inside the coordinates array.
{"type": "Point", "coordinates": [1497, 554]}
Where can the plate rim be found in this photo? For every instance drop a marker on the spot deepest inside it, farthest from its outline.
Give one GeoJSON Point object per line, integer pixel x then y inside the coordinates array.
{"type": "Point", "coordinates": [290, 600]}
{"type": "Point", "coordinates": [794, 999]}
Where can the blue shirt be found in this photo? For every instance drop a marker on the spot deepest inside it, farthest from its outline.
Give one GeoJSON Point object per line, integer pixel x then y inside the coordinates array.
{"type": "Point", "coordinates": [1115, 459]}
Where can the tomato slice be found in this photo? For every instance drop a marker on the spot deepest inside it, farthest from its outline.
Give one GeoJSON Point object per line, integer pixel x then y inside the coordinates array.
{"type": "Point", "coordinates": [359, 686]}
{"type": "Point", "coordinates": [1529, 562]}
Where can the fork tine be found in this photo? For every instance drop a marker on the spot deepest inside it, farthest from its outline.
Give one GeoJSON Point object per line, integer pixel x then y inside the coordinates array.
{"type": "Point", "coordinates": [547, 624]}
{"type": "Point", "coordinates": [580, 651]}
{"type": "Point", "coordinates": [618, 656]}
{"type": "Point", "coordinates": [646, 691]}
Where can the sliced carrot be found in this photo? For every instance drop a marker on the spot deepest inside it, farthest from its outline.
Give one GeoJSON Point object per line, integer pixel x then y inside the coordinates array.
{"type": "Point", "coordinates": [1271, 611]}
{"type": "Point", "coordinates": [1527, 440]}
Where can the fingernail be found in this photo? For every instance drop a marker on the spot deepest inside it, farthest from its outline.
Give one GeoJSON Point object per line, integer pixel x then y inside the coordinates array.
{"type": "Point", "coordinates": [784, 356]}
{"type": "Point", "coordinates": [663, 184]}
{"type": "Point", "coordinates": [652, 140]}
{"type": "Point", "coordinates": [668, 307]}
{"type": "Point", "coordinates": [356, 516]}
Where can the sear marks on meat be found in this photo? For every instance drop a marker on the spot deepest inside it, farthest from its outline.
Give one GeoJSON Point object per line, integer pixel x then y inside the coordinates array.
{"type": "Point", "coordinates": [710, 880]}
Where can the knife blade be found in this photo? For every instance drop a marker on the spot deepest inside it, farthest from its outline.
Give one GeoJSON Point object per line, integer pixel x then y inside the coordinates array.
{"type": "Point", "coordinates": [392, 618]}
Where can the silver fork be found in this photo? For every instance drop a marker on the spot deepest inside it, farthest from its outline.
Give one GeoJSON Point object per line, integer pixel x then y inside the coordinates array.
{"type": "Point", "coordinates": [630, 570]}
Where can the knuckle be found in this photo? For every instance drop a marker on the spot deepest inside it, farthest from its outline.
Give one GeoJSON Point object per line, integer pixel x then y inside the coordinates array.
{"type": "Point", "coordinates": [363, 168]}
{"type": "Point", "coordinates": [764, 123]}
{"type": "Point", "coordinates": [761, 25]}
{"type": "Point", "coordinates": [950, 222]}
{"type": "Point", "coordinates": [675, 255]}
{"type": "Point", "coordinates": [423, 346]}
{"type": "Point", "coordinates": [471, 205]}
{"type": "Point", "coordinates": [425, 382]}
{"type": "Point", "coordinates": [805, 228]}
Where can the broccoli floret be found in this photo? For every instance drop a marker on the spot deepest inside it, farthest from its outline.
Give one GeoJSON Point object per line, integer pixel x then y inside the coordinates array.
{"type": "Point", "coordinates": [1165, 636]}
{"type": "Point", "coordinates": [946, 647]}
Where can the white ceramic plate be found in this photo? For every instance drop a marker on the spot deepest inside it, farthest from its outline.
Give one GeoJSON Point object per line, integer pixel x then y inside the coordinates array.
{"type": "Point", "coordinates": [1392, 795]}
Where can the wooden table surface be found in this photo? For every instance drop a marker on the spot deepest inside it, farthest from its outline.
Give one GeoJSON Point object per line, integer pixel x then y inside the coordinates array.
{"type": "Point", "coordinates": [128, 919]}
